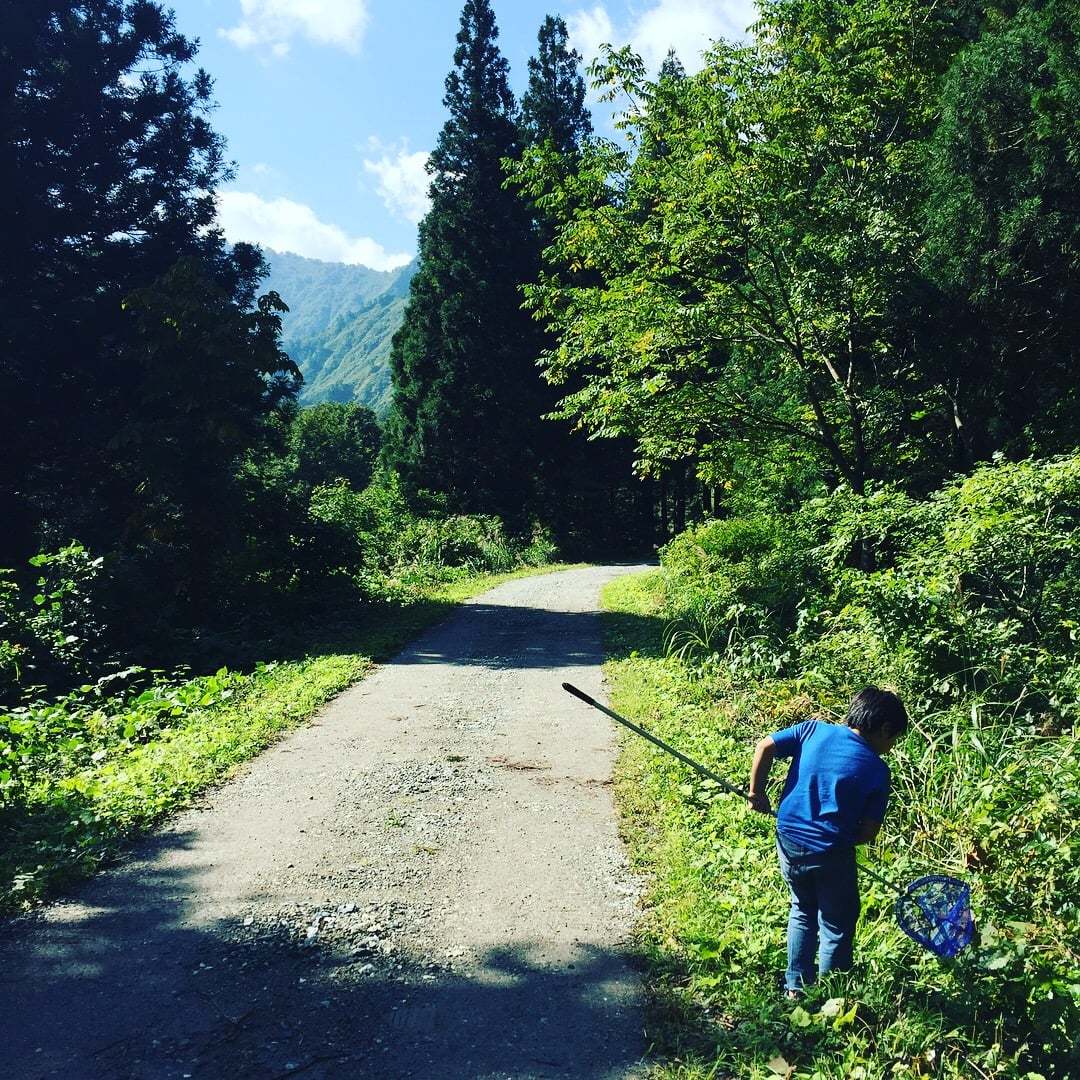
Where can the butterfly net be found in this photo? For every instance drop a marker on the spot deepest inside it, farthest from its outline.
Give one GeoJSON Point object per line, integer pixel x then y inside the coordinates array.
{"type": "Point", "coordinates": [935, 911]}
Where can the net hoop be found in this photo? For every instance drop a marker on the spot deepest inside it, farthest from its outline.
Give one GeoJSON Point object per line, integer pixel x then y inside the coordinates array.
{"type": "Point", "coordinates": [935, 911]}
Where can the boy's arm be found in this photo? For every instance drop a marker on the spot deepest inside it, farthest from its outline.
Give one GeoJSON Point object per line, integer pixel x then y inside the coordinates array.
{"type": "Point", "coordinates": [872, 816]}
{"type": "Point", "coordinates": [764, 755]}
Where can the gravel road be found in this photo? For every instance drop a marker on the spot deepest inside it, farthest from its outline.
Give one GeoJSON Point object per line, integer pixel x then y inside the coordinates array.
{"type": "Point", "coordinates": [426, 881]}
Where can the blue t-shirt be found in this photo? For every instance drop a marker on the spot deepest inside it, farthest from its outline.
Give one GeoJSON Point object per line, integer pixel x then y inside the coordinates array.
{"type": "Point", "coordinates": [835, 781]}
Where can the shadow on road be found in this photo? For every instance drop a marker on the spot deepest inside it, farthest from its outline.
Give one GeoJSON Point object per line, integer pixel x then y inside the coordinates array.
{"type": "Point", "coordinates": [343, 621]}
{"type": "Point", "coordinates": [118, 985]}
{"type": "Point", "coordinates": [497, 636]}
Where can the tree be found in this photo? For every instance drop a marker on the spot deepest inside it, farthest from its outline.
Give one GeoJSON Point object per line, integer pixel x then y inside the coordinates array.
{"type": "Point", "coordinates": [553, 109]}
{"type": "Point", "coordinates": [582, 487]}
{"type": "Point", "coordinates": [136, 365]}
{"type": "Point", "coordinates": [201, 373]}
{"type": "Point", "coordinates": [332, 441]}
{"type": "Point", "coordinates": [749, 253]}
{"type": "Point", "coordinates": [462, 421]}
{"type": "Point", "coordinates": [1003, 222]}
{"type": "Point", "coordinates": [671, 69]}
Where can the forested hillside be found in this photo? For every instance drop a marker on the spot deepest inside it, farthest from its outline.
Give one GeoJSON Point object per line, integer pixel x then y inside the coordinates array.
{"type": "Point", "coordinates": [350, 360]}
{"type": "Point", "coordinates": [319, 293]}
{"type": "Point", "coordinates": [339, 325]}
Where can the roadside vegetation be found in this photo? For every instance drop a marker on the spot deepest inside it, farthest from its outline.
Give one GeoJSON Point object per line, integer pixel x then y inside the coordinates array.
{"type": "Point", "coordinates": [970, 614]}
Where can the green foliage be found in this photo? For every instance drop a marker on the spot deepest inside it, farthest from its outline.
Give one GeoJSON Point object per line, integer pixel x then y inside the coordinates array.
{"type": "Point", "coordinates": [366, 528]}
{"type": "Point", "coordinates": [584, 490]}
{"type": "Point", "coordinates": [466, 382]}
{"type": "Point", "coordinates": [974, 591]}
{"type": "Point", "coordinates": [52, 629]}
{"type": "Point", "coordinates": [391, 551]}
{"type": "Point", "coordinates": [729, 278]}
{"type": "Point", "coordinates": [139, 366]}
{"type": "Point", "coordinates": [13, 626]}
{"type": "Point", "coordinates": [475, 544]}
{"type": "Point", "coordinates": [205, 375]}
{"type": "Point", "coordinates": [334, 441]}
{"type": "Point", "coordinates": [1004, 238]}
{"type": "Point", "coordinates": [553, 109]}
{"type": "Point", "coordinates": [970, 613]}
{"type": "Point", "coordinates": [735, 580]}
{"type": "Point", "coordinates": [56, 742]}
{"type": "Point", "coordinates": [846, 248]}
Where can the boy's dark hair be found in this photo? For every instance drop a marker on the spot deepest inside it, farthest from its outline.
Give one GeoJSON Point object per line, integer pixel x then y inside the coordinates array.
{"type": "Point", "coordinates": [872, 710]}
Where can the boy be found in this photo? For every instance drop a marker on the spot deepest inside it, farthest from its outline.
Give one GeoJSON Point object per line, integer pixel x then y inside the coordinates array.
{"type": "Point", "coordinates": [834, 798]}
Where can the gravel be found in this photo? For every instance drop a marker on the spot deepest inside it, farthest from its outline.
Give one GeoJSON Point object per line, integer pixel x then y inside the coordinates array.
{"type": "Point", "coordinates": [425, 882]}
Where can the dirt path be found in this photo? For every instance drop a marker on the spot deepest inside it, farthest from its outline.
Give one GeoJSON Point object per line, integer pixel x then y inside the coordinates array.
{"type": "Point", "coordinates": [425, 882]}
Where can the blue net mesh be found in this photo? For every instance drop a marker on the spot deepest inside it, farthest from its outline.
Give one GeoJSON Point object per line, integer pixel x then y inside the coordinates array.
{"type": "Point", "coordinates": [935, 911]}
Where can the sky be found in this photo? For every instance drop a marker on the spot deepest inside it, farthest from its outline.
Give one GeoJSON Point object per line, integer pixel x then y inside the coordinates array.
{"type": "Point", "coordinates": [331, 106]}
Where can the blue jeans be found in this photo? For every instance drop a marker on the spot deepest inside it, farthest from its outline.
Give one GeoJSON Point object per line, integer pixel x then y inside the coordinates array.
{"type": "Point", "coordinates": [824, 901]}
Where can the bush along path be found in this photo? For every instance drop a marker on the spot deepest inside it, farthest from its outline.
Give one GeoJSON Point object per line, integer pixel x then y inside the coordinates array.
{"type": "Point", "coordinates": [426, 880]}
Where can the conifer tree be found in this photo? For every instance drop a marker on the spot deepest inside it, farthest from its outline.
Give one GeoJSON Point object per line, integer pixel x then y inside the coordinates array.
{"type": "Point", "coordinates": [671, 68]}
{"type": "Point", "coordinates": [461, 422]}
{"type": "Point", "coordinates": [134, 366]}
{"type": "Point", "coordinates": [553, 108]}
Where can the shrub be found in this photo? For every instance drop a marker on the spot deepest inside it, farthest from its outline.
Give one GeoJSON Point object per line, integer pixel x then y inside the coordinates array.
{"type": "Point", "coordinates": [475, 543]}
{"type": "Point", "coordinates": [57, 634]}
{"type": "Point", "coordinates": [362, 531]}
{"type": "Point", "coordinates": [372, 536]}
{"type": "Point", "coordinates": [981, 597]}
{"type": "Point", "coordinates": [541, 549]}
{"type": "Point", "coordinates": [334, 440]}
{"type": "Point", "coordinates": [736, 585]}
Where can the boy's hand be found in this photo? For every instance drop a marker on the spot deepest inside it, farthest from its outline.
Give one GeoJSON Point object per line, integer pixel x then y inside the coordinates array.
{"type": "Point", "coordinates": [759, 801]}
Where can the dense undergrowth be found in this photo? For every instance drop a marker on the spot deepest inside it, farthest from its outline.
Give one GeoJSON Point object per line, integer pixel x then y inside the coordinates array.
{"type": "Point", "coordinates": [969, 612]}
{"type": "Point", "coordinates": [102, 747]}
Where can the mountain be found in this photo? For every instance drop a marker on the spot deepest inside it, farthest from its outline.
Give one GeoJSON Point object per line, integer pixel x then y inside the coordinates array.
{"type": "Point", "coordinates": [339, 326]}
{"type": "Point", "coordinates": [351, 360]}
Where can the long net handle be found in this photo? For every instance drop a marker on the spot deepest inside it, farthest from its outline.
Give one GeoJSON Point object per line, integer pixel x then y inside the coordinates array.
{"type": "Point", "coordinates": [731, 789]}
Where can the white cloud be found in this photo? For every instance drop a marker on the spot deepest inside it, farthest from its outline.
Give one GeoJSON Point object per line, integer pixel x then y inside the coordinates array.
{"type": "Point", "coordinates": [687, 26]}
{"type": "Point", "coordinates": [262, 178]}
{"type": "Point", "coordinates": [291, 226]}
{"type": "Point", "coordinates": [403, 179]}
{"type": "Point", "coordinates": [589, 30]}
{"type": "Point", "coordinates": [272, 24]}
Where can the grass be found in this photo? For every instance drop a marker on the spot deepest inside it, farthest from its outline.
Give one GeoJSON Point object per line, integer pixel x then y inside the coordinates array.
{"type": "Point", "coordinates": [713, 930]}
{"type": "Point", "coordinates": [97, 794]}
